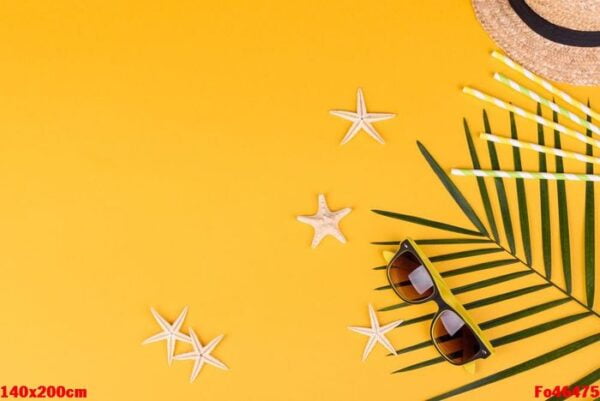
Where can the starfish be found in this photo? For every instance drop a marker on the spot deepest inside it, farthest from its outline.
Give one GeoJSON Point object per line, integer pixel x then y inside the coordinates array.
{"type": "Point", "coordinates": [362, 119]}
{"type": "Point", "coordinates": [201, 354]}
{"type": "Point", "coordinates": [171, 332]}
{"type": "Point", "coordinates": [325, 222]}
{"type": "Point", "coordinates": [376, 333]}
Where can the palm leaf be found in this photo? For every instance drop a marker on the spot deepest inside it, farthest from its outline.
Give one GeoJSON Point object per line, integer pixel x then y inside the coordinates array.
{"type": "Point", "coordinates": [439, 241]}
{"type": "Point", "coordinates": [522, 367]}
{"type": "Point", "coordinates": [587, 380]}
{"type": "Point", "coordinates": [485, 301]}
{"type": "Point", "coordinates": [446, 241]}
{"type": "Point", "coordinates": [589, 230]}
{"type": "Point", "coordinates": [485, 196]}
{"type": "Point", "coordinates": [491, 281]}
{"type": "Point", "coordinates": [500, 189]}
{"type": "Point", "coordinates": [515, 369]}
{"type": "Point", "coordinates": [521, 196]}
{"type": "Point", "coordinates": [424, 364]}
{"type": "Point", "coordinates": [565, 247]}
{"type": "Point", "coordinates": [544, 204]}
{"type": "Point", "coordinates": [413, 347]}
{"type": "Point", "coordinates": [464, 204]}
{"type": "Point", "coordinates": [499, 321]}
{"type": "Point", "coordinates": [478, 267]}
{"type": "Point", "coordinates": [511, 317]}
{"type": "Point", "coordinates": [464, 270]}
{"type": "Point", "coordinates": [563, 215]}
{"type": "Point", "coordinates": [540, 328]}
{"type": "Point", "coordinates": [418, 319]}
{"type": "Point", "coordinates": [453, 190]}
{"type": "Point", "coordinates": [507, 295]}
{"type": "Point", "coordinates": [427, 222]}
{"type": "Point", "coordinates": [464, 254]}
{"type": "Point", "coordinates": [469, 287]}
{"type": "Point", "coordinates": [394, 307]}
{"type": "Point", "coordinates": [475, 267]}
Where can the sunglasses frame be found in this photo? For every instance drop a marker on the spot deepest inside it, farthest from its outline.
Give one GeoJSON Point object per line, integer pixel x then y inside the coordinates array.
{"type": "Point", "coordinates": [443, 297]}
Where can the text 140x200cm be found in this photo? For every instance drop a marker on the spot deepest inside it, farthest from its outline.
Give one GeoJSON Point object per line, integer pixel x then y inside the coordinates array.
{"type": "Point", "coordinates": [42, 392]}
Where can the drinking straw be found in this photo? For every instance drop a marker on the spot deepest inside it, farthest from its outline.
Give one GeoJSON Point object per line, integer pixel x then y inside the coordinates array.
{"type": "Point", "coordinates": [525, 174]}
{"type": "Point", "coordinates": [539, 119]}
{"type": "Point", "coordinates": [548, 103]}
{"type": "Point", "coordinates": [540, 148]}
{"type": "Point", "coordinates": [547, 85]}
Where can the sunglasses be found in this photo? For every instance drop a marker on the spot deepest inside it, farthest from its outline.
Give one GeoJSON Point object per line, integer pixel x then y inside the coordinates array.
{"type": "Point", "coordinates": [455, 335]}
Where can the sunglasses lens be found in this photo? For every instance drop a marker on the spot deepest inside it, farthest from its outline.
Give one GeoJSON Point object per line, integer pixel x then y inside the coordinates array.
{"type": "Point", "coordinates": [410, 278]}
{"type": "Point", "coordinates": [454, 338]}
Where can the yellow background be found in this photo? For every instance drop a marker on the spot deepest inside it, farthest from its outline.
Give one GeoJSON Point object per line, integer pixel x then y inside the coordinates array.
{"type": "Point", "coordinates": [156, 153]}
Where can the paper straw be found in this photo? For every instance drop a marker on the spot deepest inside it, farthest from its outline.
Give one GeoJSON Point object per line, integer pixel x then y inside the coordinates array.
{"type": "Point", "coordinates": [548, 103]}
{"type": "Point", "coordinates": [534, 117]}
{"type": "Point", "coordinates": [546, 85]}
{"type": "Point", "coordinates": [540, 148]}
{"type": "Point", "coordinates": [525, 174]}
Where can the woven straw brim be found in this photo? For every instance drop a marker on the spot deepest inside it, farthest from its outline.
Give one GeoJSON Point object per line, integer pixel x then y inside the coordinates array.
{"type": "Point", "coordinates": [569, 64]}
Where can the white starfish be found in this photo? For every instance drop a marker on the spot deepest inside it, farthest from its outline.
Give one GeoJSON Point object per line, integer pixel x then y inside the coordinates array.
{"type": "Point", "coordinates": [201, 354]}
{"type": "Point", "coordinates": [376, 333]}
{"type": "Point", "coordinates": [361, 119]}
{"type": "Point", "coordinates": [325, 222]}
{"type": "Point", "coordinates": [171, 332]}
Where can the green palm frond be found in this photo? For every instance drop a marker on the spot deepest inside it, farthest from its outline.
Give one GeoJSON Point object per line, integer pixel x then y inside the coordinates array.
{"type": "Point", "coordinates": [563, 214]}
{"type": "Point", "coordinates": [454, 191]}
{"type": "Point", "coordinates": [483, 301]}
{"type": "Point", "coordinates": [500, 189]}
{"type": "Point", "coordinates": [544, 204]}
{"type": "Point", "coordinates": [589, 229]}
{"type": "Point", "coordinates": [492, 245]}
{"type": "Point", "coordinates": [485, 197]}
{"type": "Point", "coordinates": [509, 338]}
{"type": "Point", "coordinates": [428, 222]}
{"type": "Point", "coordinates": [499, 321]}
{"type": "Point", "coordinates": [466, 269]}
{"type": "Point", "coordinates": [474, 286]}
{"type": "Point", "coordinates": [440, 241]}
{"type": "Point", "coordinates": [522, 367]}
{"type": "Point", "coordinates": [587, 380]}
{"type": "Point", "coordinates": [464, 254]}
{"type": "Point", "coordinates": [521, 196]}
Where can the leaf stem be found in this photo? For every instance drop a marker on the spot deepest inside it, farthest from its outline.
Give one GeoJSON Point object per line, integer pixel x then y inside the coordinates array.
{"type": "Point", "coordinates": [544, 277]}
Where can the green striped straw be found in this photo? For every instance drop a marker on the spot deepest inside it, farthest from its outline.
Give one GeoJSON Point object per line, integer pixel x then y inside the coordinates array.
{"type": "Point", "coordinates": [525, 174]}
{"type": "Point", "coordinates": [540, 148]}
{"type": "Point", "coordinates": [548, 103]}
{"type": "Point", "coordinates": [534, 117]}
{"type": "Point", "coordinates": [546, 85]}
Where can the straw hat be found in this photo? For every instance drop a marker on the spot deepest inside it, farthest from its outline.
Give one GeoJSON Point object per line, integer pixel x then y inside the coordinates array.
{"type": "Point", "coordinates": [558, 39]}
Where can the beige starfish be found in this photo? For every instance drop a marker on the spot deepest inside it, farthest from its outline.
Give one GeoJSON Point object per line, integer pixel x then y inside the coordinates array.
{"type": "Point", "coordinates": [325, 222]}
{"type": "Point", "coordinates": [376, 333]}
{"type": "Point", "coordinates": [170, 332]}
{"type": "Point", "coordinates": [362, 119]}
{"type": "Point", "coordinates": [201, 354]}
